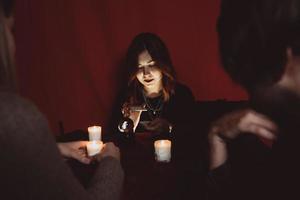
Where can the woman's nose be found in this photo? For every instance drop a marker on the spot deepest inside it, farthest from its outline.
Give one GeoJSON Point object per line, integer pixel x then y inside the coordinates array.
{"type": "Point", "coordinates": [146, 71]}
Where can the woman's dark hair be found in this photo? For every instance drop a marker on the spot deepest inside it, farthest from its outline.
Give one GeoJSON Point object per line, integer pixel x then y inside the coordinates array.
{"type": "Point", "coordinates": [7, 70]}
{"type": "Point", "coordinates": [160, 54]}
{"type": "Point", "coordinates": [253, 38]}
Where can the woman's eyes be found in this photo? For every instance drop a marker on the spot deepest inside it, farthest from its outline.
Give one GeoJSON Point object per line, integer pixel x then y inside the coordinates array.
{"type": "Point", "coordinates": [140, 69]}
{"type": "Point", "coordinates": [150, 66]}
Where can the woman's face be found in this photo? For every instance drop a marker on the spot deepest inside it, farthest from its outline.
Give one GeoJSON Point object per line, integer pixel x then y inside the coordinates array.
{"type": "Point", "coordinates": [149, 75]}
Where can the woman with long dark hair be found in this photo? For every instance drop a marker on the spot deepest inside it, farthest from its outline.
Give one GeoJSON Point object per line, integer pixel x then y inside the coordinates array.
{"type": "Point", "coordinates": [154, 100]}
{"type": "Point", "coordinates": [155, 106]}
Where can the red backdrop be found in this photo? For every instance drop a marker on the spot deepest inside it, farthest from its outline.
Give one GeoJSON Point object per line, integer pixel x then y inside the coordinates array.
{"type": "Point", "coordinates": [68, 52]}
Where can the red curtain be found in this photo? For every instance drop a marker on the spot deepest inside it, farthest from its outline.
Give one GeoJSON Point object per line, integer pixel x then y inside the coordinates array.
{"type": "Point", "coordinates": [69, 52]}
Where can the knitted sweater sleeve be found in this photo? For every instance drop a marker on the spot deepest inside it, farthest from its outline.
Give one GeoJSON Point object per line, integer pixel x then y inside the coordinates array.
{"type": "Point", "coordinates": [31, 165]}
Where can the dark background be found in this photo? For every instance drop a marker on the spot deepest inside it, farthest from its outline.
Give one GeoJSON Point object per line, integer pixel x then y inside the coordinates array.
{"type": "Point", "coordinates": [69, 52]}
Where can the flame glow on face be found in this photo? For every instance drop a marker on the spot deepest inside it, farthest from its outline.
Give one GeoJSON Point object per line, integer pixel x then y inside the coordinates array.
{"type": "Point", "coordinates": [149, 75]}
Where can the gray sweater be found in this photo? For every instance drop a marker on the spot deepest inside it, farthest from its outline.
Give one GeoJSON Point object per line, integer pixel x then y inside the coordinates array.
{"type": "Point", "coordinates": [31, 166]}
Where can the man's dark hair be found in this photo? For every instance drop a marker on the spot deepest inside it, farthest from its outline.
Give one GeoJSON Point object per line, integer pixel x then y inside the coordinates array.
{"type": "Point", "coordinates": [7, 69]}
{"type": "Point", "coordinates": [254, 36]}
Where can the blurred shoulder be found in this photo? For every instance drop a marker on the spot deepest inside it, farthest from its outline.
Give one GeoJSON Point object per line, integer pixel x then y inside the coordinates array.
{"type": "Point", "coordinates": [181, 89]}
{"type": "Point", "coordinates": [13, 105]}
{"type": "Point", "coordinates": [13, 101]}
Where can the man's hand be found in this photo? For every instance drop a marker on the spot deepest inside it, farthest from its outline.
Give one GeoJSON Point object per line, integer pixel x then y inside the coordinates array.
{"type": "Point", "coordinates": [75, 150]}
{"type": "Point", "coordinates": [245, 121]}
{"type": "Point", "coordinates": [109, 149]}
{"type": "Point", "coordinates": [231, 126]}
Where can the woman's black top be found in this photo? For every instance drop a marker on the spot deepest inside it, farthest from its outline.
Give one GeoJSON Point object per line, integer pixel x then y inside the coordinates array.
{"type": "Point", "coordinates": [179, 111]}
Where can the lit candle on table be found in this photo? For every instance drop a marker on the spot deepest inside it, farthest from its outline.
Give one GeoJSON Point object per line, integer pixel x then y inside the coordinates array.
{"type": "Point", "coordinates": [162, 150]}
{"type": "Point", "coordinates": [94, 133]}
{"type": "Point", "coordinates": [94, 147]}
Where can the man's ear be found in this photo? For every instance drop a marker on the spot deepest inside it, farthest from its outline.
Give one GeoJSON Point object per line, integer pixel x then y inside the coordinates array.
{"type": "Point", "coordinates": [289, 54]}
{"type": "Point", "coordinates": [287, 78]}
{"type": "Point", "coordinates": [288, 68]}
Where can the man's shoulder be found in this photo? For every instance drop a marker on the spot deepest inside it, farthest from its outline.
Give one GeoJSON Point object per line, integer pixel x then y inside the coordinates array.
{"type": "Point", "coordinates": [13, 101]}
{"type": "Point", "coordinates": [12, 104]}
{"type": "Point", "coordinates": [182, 90]}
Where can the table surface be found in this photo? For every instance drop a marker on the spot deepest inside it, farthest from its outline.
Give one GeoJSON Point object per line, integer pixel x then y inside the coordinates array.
{"type": "Point", "coordinates": [145, 178]}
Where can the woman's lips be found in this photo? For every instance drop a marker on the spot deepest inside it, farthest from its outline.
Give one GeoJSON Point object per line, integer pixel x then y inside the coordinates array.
{"type": "Point", "coordinates": [148, 80]}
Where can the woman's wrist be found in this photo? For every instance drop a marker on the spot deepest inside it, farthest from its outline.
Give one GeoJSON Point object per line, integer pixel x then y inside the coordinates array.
{"type": "Point", "coordinates": [218, 149]}
{"type": "Point", "coordinates": [214, 136]}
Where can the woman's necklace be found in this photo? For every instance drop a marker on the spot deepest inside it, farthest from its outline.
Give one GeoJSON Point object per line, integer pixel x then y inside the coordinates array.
{"type": "Point", "coordinates": [153, 110]}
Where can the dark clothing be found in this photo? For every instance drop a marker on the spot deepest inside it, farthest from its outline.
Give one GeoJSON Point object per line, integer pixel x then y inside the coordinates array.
{"type": "Point", "coordinates": [31, 165]}
{"type": "Point", "coordinates": [154, 109]}
{"type": "Point", "coordinates": [186, 147]}
{"type": "Point", "coordinates": [255, 171]}
{"type": "Point", "coordinates": [179, 111]}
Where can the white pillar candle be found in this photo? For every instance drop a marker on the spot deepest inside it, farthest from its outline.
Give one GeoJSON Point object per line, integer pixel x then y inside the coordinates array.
{"type": "Point", "coordinates": [162, 150]}
{"type": "Point", "coordinates": [94, 147]}
{"type": "Point", "coordinates": [94, 133]}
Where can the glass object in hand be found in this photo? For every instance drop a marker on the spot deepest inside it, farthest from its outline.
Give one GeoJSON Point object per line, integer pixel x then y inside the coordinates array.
{"type": "Point", "coordinates": [126, 125]}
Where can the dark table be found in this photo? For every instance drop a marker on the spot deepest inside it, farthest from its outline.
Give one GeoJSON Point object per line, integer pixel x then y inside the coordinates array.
{"type": "Point", "coordinates": [145, 178]}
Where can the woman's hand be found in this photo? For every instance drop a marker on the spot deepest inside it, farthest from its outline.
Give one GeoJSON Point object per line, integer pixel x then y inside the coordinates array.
{"type": "Point", "coordinates": [135, 117]}
{"type": "Point", "coordinates": [75, 150]}
{"type": "Point", "coordinates": [231, 126]}
{"type": "Point", "coordinates": [159, 125]}
{"type": "Point", "coordinates": [132, 114]}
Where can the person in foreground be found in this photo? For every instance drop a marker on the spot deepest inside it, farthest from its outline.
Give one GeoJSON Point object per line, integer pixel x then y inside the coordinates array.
{"type": "Point", "coordinates": [31, 164]}
{"type": "Point", "coordinates": [260, 49]}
